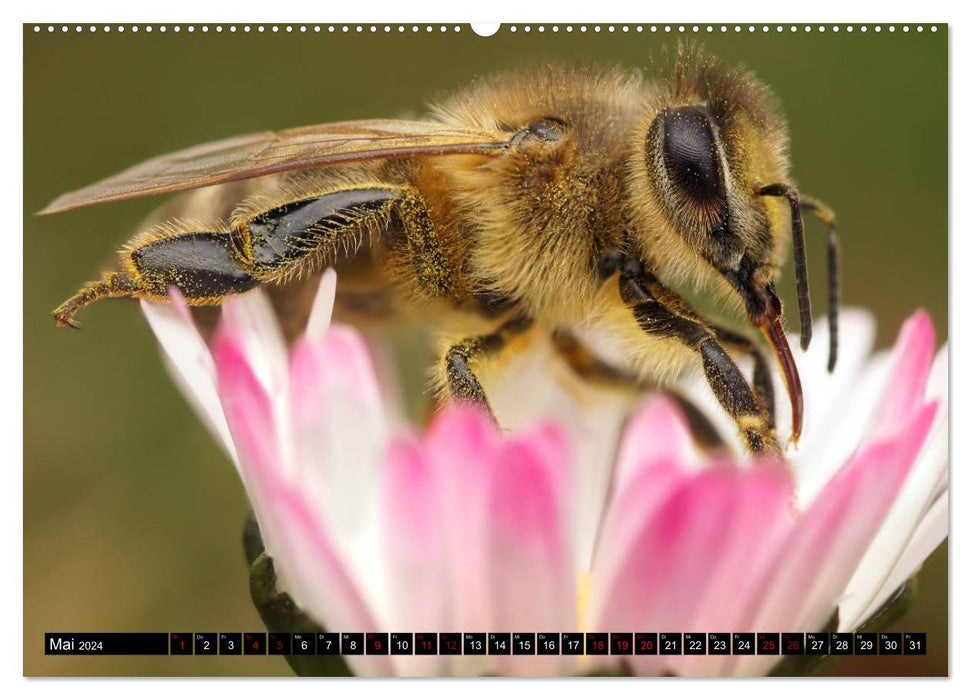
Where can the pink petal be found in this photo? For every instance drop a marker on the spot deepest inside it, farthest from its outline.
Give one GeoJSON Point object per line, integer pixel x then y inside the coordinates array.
{"type": "Point", "coordinates": [658, 429]}
{"type": "Point", "coordinates": [461, 433]}
{"type": "Point", "coordinates": [339, 429]}
{"type": "Point", "coordinates": [874, 577]}
{"type": "Point", "coordinates": [593, 416]}
{"type": "Point", "coordinates": [411, 502]}
{"type": "Point", "coordinates": [529, 559]}
{"type": "Point", "coordinates": [414, 552]}
{"type": "Point", "coordinates": [815, 563]}
{"type": "Point", "coordinates": [335, 400]}
{"type": "Point", "coordinates": [914, 351]}
{"type": "Point", "coordinates": [460, 446]}
{"type": "Point", "coordinates": [250, 320]}
{"type": "Point", "coordinates": [668, 561]}
{"type": "Point", "coordinates": [756, 528]}
{"type": "Point", "coordinates": [499, 511]}
{"type": "Point", "coordinates": [651, 463]}
{"type": "Point", "coordinates": [337, 361]}
{"type": "Point", "coordinates": [305, 558]}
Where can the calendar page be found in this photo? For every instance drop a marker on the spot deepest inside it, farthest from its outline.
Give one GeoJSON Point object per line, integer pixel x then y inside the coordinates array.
{"type": "Point", "coordinates": [523, 349]}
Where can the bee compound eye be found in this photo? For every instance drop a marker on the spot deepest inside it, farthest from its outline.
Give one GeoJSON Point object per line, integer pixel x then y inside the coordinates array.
{"type": "Point", "coordinates": [690, 155]}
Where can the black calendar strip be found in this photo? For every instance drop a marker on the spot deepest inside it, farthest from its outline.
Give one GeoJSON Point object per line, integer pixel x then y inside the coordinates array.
{"type": "Point", "coordinates": [105, 643]}
{"type": "Point", "coordinates": [491, 643]}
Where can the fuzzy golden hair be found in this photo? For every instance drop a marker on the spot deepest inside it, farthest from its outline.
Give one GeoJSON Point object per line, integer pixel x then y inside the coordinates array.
{"type": "Point", "coordinates": [543, 216]}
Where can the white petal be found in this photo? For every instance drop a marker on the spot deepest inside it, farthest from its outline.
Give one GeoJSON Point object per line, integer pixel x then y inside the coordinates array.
{"type": "Point", "coordinates": [191, 366]}
{"type": "Point", "coordinates": [930, 533]}
{"type": "Point", "coordinates": [871, 582]}
{"type": "Point", "coordinates": [822, 392]}
{"type": "Point", "coordinates": [937, 390]}
{"type": "Point", "coordinates": [837, 437]}
{"type": "Point", "coordinates": [831, 428]}
{"type": "Point", "coordinates": [825, 392]}
{"type": "Point", "coordinates": [323, 306]}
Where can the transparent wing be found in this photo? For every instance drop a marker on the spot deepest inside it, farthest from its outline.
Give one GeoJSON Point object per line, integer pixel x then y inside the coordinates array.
{"type": "Point", "coordinates": [268, 152]}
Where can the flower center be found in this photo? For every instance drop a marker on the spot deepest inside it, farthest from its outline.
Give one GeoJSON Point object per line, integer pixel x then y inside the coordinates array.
{"type": "Point", "coordinates": [583, 600]}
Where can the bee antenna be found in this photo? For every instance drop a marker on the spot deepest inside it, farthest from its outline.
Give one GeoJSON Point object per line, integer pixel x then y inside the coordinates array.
{"type": "Point", "coordinates": [833, 262]}
{"type": "Point", "coordinates": [828, 217]}
{"type": "Point", "coordinates": [802, 270]}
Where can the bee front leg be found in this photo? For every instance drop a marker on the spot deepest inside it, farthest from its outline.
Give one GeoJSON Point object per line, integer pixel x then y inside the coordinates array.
{"type": "Point", "coordinates": [460, 380]}
{"type": "Point", "coordinates": [761, 373]}
{"type": "Point", "coordinates": [640, 291]}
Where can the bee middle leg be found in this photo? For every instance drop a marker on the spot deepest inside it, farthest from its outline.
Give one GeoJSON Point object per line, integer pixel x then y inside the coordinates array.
{"type": "Point", "coordinates": [460, 381]}
{"type": "Point", "coordinates": [588, 366]}
{"type": "Point", "coordinates": [659, 312]}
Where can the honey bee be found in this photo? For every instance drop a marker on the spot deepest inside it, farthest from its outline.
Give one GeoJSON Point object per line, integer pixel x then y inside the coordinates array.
{"type": "Point", "coordinates": [565, 198]}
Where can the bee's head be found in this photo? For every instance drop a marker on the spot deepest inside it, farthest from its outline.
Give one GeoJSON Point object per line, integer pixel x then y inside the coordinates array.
{"type": "Point", "coordinates": [709, 145]}
{"type": "Point", "coordinates": [707, 186]}
{"type": "Point", "coordinates": [710, 194]}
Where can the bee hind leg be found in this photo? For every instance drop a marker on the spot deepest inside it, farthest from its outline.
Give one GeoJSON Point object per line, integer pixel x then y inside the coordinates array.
{"type": "Point", "coordinates": [111, 284]}
{"type": "Point", "coordinates": [202, 265]}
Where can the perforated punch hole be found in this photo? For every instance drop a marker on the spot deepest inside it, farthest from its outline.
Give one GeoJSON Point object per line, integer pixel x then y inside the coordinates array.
{"type": "Point", "coordinates": [487, 29]}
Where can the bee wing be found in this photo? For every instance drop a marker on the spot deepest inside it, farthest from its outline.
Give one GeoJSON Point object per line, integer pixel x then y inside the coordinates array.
{"type": "Point", "coordinates": [269, 152]}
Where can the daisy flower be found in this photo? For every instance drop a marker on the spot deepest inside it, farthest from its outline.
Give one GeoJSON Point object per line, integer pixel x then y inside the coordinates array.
{"type": "Point", "coordinates": [593, 511]}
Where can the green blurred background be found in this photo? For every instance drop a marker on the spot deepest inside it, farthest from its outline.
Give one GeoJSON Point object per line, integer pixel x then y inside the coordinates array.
{"type": "Point", "coordinates": [132, 516]}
